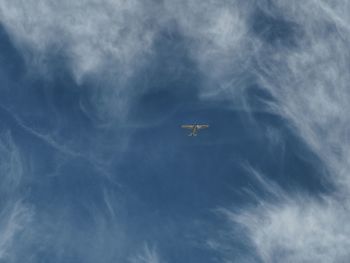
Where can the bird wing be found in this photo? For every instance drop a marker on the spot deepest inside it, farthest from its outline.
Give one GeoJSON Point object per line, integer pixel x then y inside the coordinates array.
{"type": "Point", "coordinates": [187, 126]}
{"type": "Point", "coordinates": [203, 126]}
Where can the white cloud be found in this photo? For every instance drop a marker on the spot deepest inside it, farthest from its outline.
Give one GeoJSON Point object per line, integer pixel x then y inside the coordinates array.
{"type": "Point", "coordinates": [112, 38]}
{"type": "Point", "coordinates": [290, 228]}
{"type": "Point", "coordinates": [148, 255]}
{"type": "Point", "coordinates": [103, 41]}
{"type": "Point", "coordinates": [309, 84]}
{"type": "Point", "coordinates": [90, 34]}
{"type": "Point", "coordinates": [87, 230]}
{"type": "Point", "coordinates": [15, 214]}
{"type": "Point", "coordinates": [14, 218]}
{"type": "Point", "coordinates": [11, 165]}
{"type": "Point", "coordinates": [299, 230]}
{"type": "Point", "coordinates": [218, 40]}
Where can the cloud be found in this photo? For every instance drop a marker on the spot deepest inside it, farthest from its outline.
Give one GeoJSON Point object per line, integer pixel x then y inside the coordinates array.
{"type": "Point", "coordinates": [15, 213]}
{"type": "Point", "coordinates": [110, 40]}
{"type": "Point", "coordinates": [14, 219]}
{"type": "Point", "coordinates": [148, 255]}
{"type": "Point", "coordinates": [290, 227]}
{"type": "Point", "coordinates": [309, 85]}
{"type": "Point", "coordinates": [86, 229]}
{"type": "Point", "coordinates": [106, 42]}
{"type": "Point", "coordinates": [101, 44]}
{"type": "Point", "coordinates": [11, 165]}
{"type": "Point", "coordinates": [218, 40]}
{"type": "Point", "coordinates": [87, 32]}
{"type": "Point", "coordinates": [298, 230]}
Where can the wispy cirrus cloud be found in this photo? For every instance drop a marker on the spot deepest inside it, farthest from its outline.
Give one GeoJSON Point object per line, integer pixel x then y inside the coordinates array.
{"type": "Point", "coordinates": [309, 85]}
{"type": "Point", "coordinates": [91, 35]}
{"type": "Point", "coordinates": [15, 218]}
{"type": "Point", "coordinates": [11, 165]}
{"type": "Point", "coordinates": [110, 41]}
{"type": "Point", "coordinates": [308, 81]}
{"type": "Point", "coordinates": [148, 255]}
{"type": "Point", "coordinates": [292, 228]}
{"type": "Point", "coordinates": [15, 214]}
{"type": "Point", "coordinates": [218, 38]}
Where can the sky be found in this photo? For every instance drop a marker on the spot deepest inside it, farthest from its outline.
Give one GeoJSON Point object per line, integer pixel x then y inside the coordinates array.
{"type": "Point", "coordinates": [94, 166]}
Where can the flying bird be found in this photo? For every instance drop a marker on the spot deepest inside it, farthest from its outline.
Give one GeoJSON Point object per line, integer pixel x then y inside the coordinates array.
{"type": "Point", "coordinates": [194, 128]}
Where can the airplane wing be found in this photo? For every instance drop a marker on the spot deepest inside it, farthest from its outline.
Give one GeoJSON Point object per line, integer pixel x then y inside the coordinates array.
{"type": "Point", "coordinates": [203, 126]}
{"type": "Point", "coordinates": [187, 126]}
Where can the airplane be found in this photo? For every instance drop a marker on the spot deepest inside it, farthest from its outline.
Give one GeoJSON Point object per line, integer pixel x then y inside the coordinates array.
{"type": "Point", "coordinates": [194, 128]}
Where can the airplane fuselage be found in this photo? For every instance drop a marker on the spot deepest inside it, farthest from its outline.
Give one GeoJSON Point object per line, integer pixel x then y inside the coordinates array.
{"type": "Point", "coordinates": [194, 131]}
{"type": "Point", "coordinates": [194, 128]}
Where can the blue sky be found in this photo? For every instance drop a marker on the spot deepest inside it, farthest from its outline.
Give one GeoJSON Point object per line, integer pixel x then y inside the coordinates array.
{"type": "Point", "coordinates": [95, 167]}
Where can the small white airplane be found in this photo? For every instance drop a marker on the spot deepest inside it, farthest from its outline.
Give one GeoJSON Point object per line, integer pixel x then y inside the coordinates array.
{"type": "Point", "coordinates": [194, 128]}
